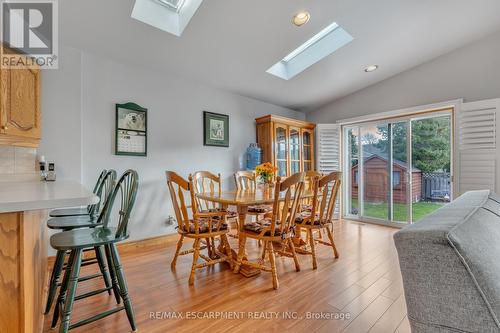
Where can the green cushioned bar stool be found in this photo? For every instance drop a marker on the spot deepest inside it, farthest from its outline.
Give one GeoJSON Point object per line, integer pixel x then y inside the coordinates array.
{"type": "Point", "coordinates": [78, 240]}
{"type": "Point", "coordinates": [104, 190]}
{"type": "Point", "coordinates": [81, 211]}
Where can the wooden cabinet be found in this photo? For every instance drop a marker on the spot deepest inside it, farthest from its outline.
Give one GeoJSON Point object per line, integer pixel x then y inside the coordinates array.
{"type": "Point", "coordinates": [20, 123]}
{"type": "Point", "coordinates": [287, 143]}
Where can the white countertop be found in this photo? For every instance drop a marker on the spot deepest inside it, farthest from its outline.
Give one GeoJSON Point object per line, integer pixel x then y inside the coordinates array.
{"type": "Point", "coordinates": [37, 195]}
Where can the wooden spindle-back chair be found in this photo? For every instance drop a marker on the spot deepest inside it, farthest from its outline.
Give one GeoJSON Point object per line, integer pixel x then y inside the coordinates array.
{"type": "Point", "coordinates": [280, 227]}
{"type": "Point", "coordinates": [247, 181]}
{"type": "Point", "coordinates": [320, 218]}
{"type": "Point", "coordinates": [309, 179]}
{"type": "Point", "coordinates": [197, 225]}
{"type": "Point", "coordinates": [206, 182]}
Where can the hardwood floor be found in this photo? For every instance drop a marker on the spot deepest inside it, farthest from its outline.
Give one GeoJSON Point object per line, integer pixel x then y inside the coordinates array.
{"type": "Point", "coordinates": [364, 285]}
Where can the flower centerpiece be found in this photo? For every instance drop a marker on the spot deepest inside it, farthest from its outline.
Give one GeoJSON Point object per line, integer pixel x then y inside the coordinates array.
{"type": "Point", "coordinates": [265, 172]}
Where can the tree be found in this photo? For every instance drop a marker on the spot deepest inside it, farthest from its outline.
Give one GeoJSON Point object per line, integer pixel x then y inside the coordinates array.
{"type": "Point", "coordinates": [368, 139]}
{"type": "Point", "coordinates": [430, 143]}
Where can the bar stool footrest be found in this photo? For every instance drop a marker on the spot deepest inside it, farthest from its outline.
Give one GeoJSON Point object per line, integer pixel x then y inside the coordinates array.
{"type": "Point", "coordinates": [96, 317]}
{"type": "Point", "coordinates": [92, 293]}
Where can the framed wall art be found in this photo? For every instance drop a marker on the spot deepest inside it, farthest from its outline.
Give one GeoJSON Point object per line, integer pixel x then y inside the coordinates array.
{"type": "Point", "coordinates": [216, 129]}
{"type": "Point", "coordinates": [131, 130]}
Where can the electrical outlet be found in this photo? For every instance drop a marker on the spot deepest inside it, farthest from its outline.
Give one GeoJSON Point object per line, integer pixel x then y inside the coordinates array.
{"type": "Point", "coordinates": [170, 221]}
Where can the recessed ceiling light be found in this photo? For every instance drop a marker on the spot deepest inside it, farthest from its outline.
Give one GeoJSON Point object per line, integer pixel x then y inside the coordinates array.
{"type": "Point", "coordinates": [371, 68]}
{"type": "Point", "coordinates": [301, 18]}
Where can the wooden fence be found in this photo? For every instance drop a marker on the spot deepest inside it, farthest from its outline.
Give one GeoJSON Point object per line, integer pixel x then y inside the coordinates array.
{"type": "Point", "coordinates": [436, 186]}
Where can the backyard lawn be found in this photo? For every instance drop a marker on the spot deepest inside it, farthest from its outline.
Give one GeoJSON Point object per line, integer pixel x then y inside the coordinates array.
{"type": "Point", "coordinates": [420, 210]}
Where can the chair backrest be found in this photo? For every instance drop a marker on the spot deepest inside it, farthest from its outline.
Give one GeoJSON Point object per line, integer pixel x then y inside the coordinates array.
{"type": "Point", "coordinates": [309, 179]}
{"type": "Point", "coordinates": [245, 180]}
{"type": "Point", "coordinates": [103, 191]}
{"type": "Point", "coordinates": [287, 195]}
{"type": "Point", "coordinates": [96, 188]}
{"type": "Point", "coordinates": [205, 182]}
{"type": "Point", "coordinates": [326, 190]}
{"type": "Point", "coordinates": [179, 189]}
{"type": "Point", "coordinates": [99, 180]}
{"type": "Point", "coordinates": [127, 187]}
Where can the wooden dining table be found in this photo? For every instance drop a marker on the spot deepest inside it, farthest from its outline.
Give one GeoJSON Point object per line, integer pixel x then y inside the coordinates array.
{"type": "Point", "coordinates": [242, 199]}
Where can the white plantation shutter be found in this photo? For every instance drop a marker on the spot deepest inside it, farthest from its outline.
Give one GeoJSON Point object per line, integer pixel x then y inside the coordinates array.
{"type": "Point", "coordinates": [478, 148]}
{"type": "Point", "coordinates": [328, 147]}
{"type": "Point", "coordinates": [328, 152]}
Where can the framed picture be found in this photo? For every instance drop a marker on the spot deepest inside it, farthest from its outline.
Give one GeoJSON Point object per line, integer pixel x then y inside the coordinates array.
{"type": "Point", "coordinates": [131, 130]}
{"type": "Point", "coordinates": [216, 129]}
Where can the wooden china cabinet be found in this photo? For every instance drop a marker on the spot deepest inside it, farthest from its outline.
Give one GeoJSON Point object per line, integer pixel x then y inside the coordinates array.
{"type": "Point", "coordinates": [287, 143]}
{"type": "Point", "coordinates": [20, 118]}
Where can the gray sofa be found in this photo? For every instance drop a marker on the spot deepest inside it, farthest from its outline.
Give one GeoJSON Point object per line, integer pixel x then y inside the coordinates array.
{"type": "Point", "coordinates": [450, 263]}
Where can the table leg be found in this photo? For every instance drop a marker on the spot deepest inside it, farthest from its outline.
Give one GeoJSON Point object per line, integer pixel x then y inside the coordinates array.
{"type": "Point", "coordinates": [242, 216]}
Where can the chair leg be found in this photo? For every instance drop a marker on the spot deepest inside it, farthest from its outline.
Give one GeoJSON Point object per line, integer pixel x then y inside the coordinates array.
{"type": "Point", "coordinates": [196, 254]}
{"type": "Point", "coordinates": [241, 252]}
{"type": "Point", "coordinates": [274, 271]}
{"type": "Point", "coordinates": [295, 259]}
{"type": "Point", "coordinates": [179, 246]}
{"type": "Point", "coordinates": [62, 291]}
{"type": "Point", "coordinates": [72, 284]}
{"type": "Point", "coordinates": [122, 281]}
{"type": "Point", "coordinates": [264, 250]}
{"type": "Point", "coordinates": [209, 247]}
{"type": "Point", "coordinates": [102, 267]}
{"type": "Point", "coordinates": [214, 250]}
{"type": "Point", "coordinates": [330, 237]}
{"type": "Point", "coordinates": [114, 280]}
{"type": "Point", "coordinates": [54, 279]}
{"type": "Point", "coordinates": [313, 249]}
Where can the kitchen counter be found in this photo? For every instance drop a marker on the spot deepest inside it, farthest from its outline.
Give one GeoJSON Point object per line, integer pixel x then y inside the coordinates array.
{"type": "Point", "coordinates": [37, 195]}
{"type": "Point", "coordinates": [24, 208]}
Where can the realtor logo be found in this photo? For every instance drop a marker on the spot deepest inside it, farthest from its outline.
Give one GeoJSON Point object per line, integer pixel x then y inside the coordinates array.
{"type": "Point", "coordinates": [29, 28]}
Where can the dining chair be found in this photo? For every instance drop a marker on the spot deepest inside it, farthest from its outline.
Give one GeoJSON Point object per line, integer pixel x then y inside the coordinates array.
{"type": "Point", "coordinates": [66, 223]}
{"type": "Point", "coordinates": [81, 211]}
{"type": "Point", "coordinates": [106, 236]}
{"type": "Point", "coordinates": [207, 182]}
{"type": "Point", "coordinates": [279, 228]}
{"type": "Point", "coordinates": [247, 181]}
{"type": "Point", "coordinates": [207, 225]}
{"type": "Point", "coordinates": [309, 178]}
{"type": "Point", "coordinates": [321, 216]}
{"type": "Point", "coordinates": [306, 206]}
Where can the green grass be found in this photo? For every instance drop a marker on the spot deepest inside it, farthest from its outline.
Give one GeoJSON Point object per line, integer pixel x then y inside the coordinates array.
{"type": "Point", "coordinates": [420, 210]}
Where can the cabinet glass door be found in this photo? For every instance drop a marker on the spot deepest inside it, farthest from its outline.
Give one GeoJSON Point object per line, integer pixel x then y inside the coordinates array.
{"type": "Point", "coordinates": [281, 141]}
{"type": "Point", "coordinates": [307, 150]}
{"type": "Point", "coordinates": [294, 150]}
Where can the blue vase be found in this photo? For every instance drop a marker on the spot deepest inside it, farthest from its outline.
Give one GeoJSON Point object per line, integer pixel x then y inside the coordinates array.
{"type": "Point", "coordinates": [254, 156]}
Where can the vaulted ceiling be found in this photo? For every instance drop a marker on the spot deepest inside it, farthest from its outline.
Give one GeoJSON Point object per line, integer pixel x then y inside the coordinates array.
{"type": "Point", "coordinates": [230, 44]}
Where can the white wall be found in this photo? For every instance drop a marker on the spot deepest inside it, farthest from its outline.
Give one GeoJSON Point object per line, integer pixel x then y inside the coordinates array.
{"type": "Point", "coordinates": [471, 72]}
{"type": "Point", "coordinates": [61, 115]}
{"type": "Point", "coordinates": [78, 128]}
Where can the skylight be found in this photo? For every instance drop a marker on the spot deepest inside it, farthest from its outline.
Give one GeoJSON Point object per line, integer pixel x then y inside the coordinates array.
{"type": "Point", "coordinates": [318, 47]}
{"type": "Point", "coordinates": [174, 5]}
{"type": "Point", "coordinates": [171, 16]}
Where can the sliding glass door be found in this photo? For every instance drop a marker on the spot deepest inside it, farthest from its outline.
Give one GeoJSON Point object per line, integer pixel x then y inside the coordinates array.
{"type": "Point", "coordinates": [397, 171]}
